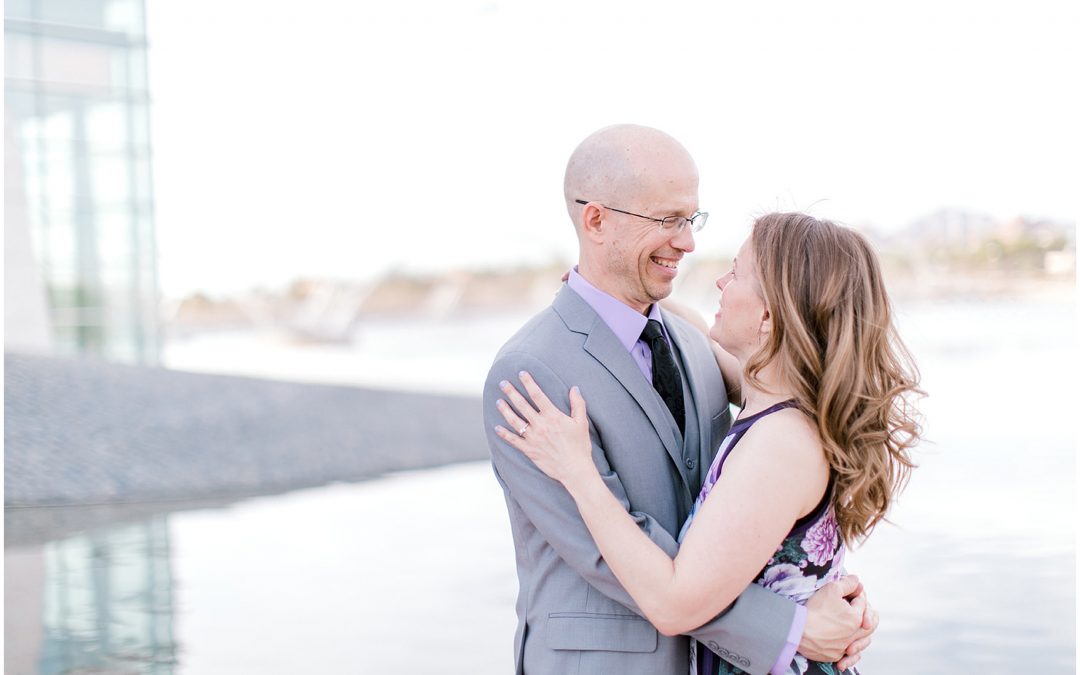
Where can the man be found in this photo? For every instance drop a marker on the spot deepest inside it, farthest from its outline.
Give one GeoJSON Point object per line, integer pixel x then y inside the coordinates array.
{"type": "Point", "coordinates": [658, 409]}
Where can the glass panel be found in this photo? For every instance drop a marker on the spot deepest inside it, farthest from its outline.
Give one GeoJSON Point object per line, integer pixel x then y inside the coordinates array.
{"type": "Point", "coordinates": [79, 110]}
{"type": "Point", "coordinates": [18, 56]}
{"type": "Point", "coordinates": [86, 13]}
{"type": "Point", "coordinates": [141, 183]}
{"type": "Point", "coordinates": [73, 302]}
{"type": "Point", "coordinates": [57, 182]}
{"type": "Point", "coordinates": [58, 124]}
{"type": "Point", "coordinates": [125, 16]}
{"type": "Point", "coordinates": [105, 127]}
{"type": "Point", "coordinates": [18, 9]}
{"type": "Point", "coordinates": [119, 319]}
{"type": "Point", "coordinates": [65, 344]}
{"type": "Point", "coordinates": [121, 347]}
{"type": "Point", "coordinates": [110, 179]}
{"type": "Point", "coordinates": [99, 122]}
{"type": "Point", "coordinates": [114, 241]}
{"type": "Point", "coordinates": [59, 239]}
{"type": "Point", "coordinates": [129, 68]}
{"type": "Point", "coordinates": [140, 126]}
{"type": "Point", "coordinates": [59, 274]}
{"type": "Point", "coordinates": [82, 63]}
{"type": "Point", "coordinates": [19, 107]}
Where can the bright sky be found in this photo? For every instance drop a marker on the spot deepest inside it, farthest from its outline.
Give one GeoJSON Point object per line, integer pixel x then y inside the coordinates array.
{"type": "Point", "coordinates": [340, 139]}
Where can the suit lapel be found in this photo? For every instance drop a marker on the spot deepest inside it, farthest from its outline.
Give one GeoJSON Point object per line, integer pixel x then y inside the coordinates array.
{"type": "Point", "coordinates": [602, 345]}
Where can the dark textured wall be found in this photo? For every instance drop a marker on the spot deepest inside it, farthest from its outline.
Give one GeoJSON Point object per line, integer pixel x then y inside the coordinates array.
{"type": "Point", "coordinates": [84, 432]}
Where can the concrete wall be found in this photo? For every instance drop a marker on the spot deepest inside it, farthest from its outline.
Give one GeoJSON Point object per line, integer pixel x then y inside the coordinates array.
{"type": "Point", "coordinates": [84, 432]}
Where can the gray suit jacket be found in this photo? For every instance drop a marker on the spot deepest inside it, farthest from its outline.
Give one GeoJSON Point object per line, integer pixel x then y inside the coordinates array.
{"type": "Point", "coordinates": [573, 616]}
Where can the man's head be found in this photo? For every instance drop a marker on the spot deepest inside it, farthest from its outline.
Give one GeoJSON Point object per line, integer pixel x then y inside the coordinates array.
{"type": "Point", "coordinates": [642, 171]}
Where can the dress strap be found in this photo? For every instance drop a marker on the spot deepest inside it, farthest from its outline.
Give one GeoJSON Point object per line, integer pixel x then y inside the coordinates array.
{"type": "Point", "coordinates": [776, 407]}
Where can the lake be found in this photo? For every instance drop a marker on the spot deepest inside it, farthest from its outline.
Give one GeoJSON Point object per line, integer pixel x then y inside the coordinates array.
{"type": "Point", "coordinates": [414, 571]}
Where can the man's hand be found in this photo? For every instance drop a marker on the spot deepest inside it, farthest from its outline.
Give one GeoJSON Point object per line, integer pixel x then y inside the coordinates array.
{"type": "Point", "coordinates": [839, 623]}
{"type": "Point", "coordinates": [862, 638]}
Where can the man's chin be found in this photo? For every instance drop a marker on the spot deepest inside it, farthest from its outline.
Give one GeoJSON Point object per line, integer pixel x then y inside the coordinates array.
{"type": "Point", "coordinates": [660, 291]}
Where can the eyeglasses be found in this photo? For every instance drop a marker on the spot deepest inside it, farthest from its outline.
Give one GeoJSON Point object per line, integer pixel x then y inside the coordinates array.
{"type": "Point", "coordinates": [696, 221]}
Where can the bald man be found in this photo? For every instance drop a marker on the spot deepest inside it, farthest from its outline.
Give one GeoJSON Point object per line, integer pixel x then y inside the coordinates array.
{"type": "Point", "coordinates": [632, 194]}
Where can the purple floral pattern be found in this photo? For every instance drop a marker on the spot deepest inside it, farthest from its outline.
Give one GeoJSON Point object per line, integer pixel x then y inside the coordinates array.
{"type": "Point", "coordinates": [789, 580]}
{"type": "Point", "coordinates": [821, 541]}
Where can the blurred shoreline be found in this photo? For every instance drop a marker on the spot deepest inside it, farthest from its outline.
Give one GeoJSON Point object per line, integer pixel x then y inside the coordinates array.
{"type": "Point", "coordinates": [334, 311]}
{"type": "Point", "coordinates": [951, 253]}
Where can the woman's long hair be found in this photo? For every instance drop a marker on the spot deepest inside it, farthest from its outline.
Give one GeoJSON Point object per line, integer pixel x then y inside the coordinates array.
{"type": "Point", "coordinates": [834, 341]}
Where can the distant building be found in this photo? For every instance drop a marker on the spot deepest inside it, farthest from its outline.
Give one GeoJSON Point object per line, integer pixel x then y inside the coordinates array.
{"type": "Point", "coordinates": [80, 265]}
{"type": "Point", "coordinates": [952, 228]}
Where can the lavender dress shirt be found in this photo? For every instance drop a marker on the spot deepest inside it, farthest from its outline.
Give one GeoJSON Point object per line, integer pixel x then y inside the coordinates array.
{"type": "Point", "coordinates": [627, 325]}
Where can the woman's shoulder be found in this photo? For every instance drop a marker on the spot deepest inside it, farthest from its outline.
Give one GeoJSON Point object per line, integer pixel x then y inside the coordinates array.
{"type": "Point", "coordinates": [787, 435]}
{"type": "Point", "coordinates": [787, 448]}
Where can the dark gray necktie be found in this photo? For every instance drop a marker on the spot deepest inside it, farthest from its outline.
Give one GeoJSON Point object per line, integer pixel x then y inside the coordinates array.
{"type": "Point", "coordinates": [665, 374]}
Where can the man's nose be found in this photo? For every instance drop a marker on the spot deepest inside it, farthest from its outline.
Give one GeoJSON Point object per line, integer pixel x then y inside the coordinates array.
{"type": "Point", "coordinates": [684, 239]}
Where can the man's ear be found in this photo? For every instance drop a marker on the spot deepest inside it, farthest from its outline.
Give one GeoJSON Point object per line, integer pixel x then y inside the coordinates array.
{"type": "Point", "coordinates": [592, 222]}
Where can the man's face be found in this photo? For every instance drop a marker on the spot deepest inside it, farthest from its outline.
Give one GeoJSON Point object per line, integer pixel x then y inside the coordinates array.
{"type": "Point", "coordinates": [641, 259]}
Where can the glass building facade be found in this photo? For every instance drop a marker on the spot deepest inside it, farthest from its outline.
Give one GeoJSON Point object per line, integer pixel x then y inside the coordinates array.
{"type": "Point", "coordinates": [77, 108]}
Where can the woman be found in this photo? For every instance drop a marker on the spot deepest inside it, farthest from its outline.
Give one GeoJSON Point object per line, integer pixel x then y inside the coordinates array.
{"type": "Point", "coordinates": [814, 460]}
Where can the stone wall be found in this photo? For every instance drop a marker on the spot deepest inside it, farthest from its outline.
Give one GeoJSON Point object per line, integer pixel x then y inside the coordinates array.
{"type": "Point", "coordinates": [81, 432]}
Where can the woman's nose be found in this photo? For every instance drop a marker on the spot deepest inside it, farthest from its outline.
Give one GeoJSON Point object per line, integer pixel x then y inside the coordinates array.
{"type": "Point", "coordinates": [723, 281]}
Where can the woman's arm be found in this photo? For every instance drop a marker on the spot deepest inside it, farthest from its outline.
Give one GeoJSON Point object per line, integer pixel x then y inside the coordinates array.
{"type": "Point", "coordinates": [740, 525]}
{"type": "Point", "coordinates": [729, 365]}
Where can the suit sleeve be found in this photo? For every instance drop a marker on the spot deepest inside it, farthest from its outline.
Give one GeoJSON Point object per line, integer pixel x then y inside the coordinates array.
{"type": "Point", "coordinates": [749, 634]}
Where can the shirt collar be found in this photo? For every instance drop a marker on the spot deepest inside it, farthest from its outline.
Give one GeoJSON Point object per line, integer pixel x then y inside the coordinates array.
{"type": "Point", "coordinates": [622, 319]}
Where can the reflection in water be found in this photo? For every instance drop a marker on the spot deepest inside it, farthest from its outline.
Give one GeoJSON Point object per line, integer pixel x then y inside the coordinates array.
{"type": "Point", "coordinates": [336, 579]}
{"type": "Point", "coordinates": [107, 602]}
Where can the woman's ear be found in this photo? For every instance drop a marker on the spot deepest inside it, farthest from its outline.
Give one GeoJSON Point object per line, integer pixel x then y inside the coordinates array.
{"type": "Point", "coordinates": [766, 322]}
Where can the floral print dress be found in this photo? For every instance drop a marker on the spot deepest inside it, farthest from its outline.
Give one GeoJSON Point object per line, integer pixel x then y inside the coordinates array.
{"type": "Point", "coordinates": [811, 556]}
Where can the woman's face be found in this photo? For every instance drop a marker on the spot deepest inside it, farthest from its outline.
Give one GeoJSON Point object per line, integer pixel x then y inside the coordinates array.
{"type": "Point", "coordinates": [738, 324]}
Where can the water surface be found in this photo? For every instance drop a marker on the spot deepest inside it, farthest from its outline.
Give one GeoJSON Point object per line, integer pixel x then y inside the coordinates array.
{"type": "Point", "coordinates": [414, 572]}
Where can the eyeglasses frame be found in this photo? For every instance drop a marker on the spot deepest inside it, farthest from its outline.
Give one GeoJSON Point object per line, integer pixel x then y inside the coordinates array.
{"type": "Point", "coordinates": [660, 220]}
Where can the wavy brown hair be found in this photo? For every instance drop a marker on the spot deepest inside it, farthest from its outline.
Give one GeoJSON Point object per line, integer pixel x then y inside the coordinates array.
{"type": "Point", "coordinates": [834, 340]}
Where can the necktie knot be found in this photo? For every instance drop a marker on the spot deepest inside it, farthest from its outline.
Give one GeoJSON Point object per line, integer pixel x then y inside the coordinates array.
{"type": "Point", "coordinates": [652, 331]}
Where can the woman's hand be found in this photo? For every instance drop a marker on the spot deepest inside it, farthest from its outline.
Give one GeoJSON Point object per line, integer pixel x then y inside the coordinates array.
{"type": "Point", "coordinates": [557, 444]}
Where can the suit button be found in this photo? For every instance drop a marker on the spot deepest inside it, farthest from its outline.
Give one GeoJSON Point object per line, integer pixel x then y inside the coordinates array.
{"type": "Point", "coordinates": [690, 463]}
